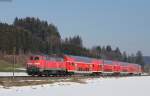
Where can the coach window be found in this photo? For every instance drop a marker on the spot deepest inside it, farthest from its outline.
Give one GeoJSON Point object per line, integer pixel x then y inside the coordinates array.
{"type": "Point", "coordinates": [73, 64]}
{"type": "Point", "coordinates": [100, 65]}
{"type": "Point", "coordinates": [80, 69]}
{"type": "Point", "coordinates": [87, 69]}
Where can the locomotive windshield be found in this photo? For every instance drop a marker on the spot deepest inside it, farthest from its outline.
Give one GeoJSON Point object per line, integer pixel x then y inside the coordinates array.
{"type": "Point", "coordinates": [34, 58]}
{"type": "Point", "coordinates": [51, 58]}
{"type": "Point", "coordinates": [46, 57]}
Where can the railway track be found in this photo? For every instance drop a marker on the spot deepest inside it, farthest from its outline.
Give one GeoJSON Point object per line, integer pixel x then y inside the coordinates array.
{"type": "Point", "coordinates": [8, 81]}
{"type": "Point", "coordinates": [59, 77]}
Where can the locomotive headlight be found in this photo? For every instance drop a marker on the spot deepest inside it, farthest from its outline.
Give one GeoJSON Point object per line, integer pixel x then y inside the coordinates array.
{"type": "Point", "coordinates": [33, 63]}
{"type": "Point", "coordinates": [29, 63]}
{"type": "Point", "coordinates": [37, 63]}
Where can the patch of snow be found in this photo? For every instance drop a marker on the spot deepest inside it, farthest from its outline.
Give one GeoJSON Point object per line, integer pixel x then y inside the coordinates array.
{"type": "Point", "coordinates": [124, 86]}
{"type": "Point", "coordinates": [11, 74]}
{"type": "Point", "coordinates": [21, 69]}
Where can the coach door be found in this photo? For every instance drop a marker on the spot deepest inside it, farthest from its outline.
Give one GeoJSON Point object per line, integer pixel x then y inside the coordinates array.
{"type": "Point", "coordinates": [96, 66]}
{"type": "Point", "coordinates": [70, 66]}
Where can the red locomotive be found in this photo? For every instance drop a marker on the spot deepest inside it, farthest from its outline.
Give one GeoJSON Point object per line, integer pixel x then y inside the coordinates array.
{"type": "Point", "coordinates": [68, 65]}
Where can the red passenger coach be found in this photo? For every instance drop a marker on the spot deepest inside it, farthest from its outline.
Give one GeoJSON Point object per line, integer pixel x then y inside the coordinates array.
{"type": "Point", "coordinates": [134, 69]}
{"type": "Point", "coordinates": [108, 66]}
{"type": "Point", "coordinates": [124, 67]}
{"type": "Point", "coordinates": [116, 67]}
{"type": "Point", "coordinates": [79, 64]}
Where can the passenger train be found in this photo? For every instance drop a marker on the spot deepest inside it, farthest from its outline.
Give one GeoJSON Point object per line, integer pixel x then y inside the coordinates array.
{"type": "Point", "coordinates": [44, 65]}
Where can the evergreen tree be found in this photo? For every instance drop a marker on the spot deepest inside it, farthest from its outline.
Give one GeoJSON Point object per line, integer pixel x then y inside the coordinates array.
{"type": "Point", "coordinates": [139, 58]}
{"type": "Point", "coordinates": [108, 48]}
{"type": "Point", "coordinates": [132, 58]}
{"type": "Point", "coordinates": [118, 55]}
{"type": "Point", "coordinates": [45, 37]}
{"type": "Point", "coordinates": [103, 53]}
{"type": "Point", "coordinates": [129, 59]}
{"type": "Point", "coordinates": [124, 57]}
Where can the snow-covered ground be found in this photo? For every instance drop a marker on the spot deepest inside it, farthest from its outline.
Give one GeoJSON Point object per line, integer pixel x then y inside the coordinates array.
{"type": "Point", "coordinates": [11, 74]}
{"type": "Point", "coordinates": [125, 86]}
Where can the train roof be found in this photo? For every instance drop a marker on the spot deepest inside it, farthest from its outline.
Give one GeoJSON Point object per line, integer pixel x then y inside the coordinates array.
{"type": "Point", "coordinates": [108, 62]}
{"type": "Point", "coordinates": [82, 59]}
{"type": "Point", "coordinates": [126, 63]}
{"type": "Point", "coordinates": [86, 59]}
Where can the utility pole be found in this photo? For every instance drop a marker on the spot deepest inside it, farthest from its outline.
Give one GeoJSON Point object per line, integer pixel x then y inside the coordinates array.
{"type": "Point", "coordinates": [103, 57]}
{"type": "Point", "coordinates": [14, 61]}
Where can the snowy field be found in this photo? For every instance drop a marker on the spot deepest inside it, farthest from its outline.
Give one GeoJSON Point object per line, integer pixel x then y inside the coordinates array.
{"type": "Point", "coordinates": [11, 74]}
{"type": "Point", "coordinates": [125, 86]}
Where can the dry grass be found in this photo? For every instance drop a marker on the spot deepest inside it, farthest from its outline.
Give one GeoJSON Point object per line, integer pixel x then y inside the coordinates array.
{"type": "Point", "coordinates": [77, 80]}
{"type": "Point", "coordinates": [7, 66]}
{"type": "Point", "coordinates": [9, 82]}
{"type": "Point", "coordinates": [24, 83]}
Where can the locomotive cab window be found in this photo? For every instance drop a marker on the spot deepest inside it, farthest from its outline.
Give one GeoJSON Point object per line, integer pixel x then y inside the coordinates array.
{"type": "Point", "coordinates": [53, 58]}
{"type": "Point", "coordinates": [36, 58]}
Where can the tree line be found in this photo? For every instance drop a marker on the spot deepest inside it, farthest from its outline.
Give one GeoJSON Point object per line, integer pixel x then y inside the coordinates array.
{"type": "Point", "coordinates": [28, 35]}
{"type": "Point", "coordinates": [73, 45]}
{"type": "Point", "coordinates": [32, 35]}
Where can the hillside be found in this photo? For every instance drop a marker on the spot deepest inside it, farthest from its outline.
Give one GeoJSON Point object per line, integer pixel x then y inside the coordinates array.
{"type": "Point", "coordinates": [31, 35]}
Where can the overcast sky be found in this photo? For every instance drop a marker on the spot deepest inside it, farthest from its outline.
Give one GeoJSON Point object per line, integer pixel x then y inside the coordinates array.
{"type": "Point", "coordinates": [119, 23]}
